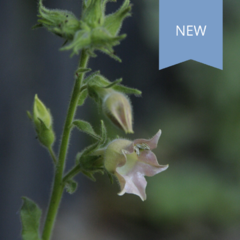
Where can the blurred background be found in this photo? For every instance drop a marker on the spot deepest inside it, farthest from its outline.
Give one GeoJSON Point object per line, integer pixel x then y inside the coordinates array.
{"type": "Point", "coordinates": [196, 106]}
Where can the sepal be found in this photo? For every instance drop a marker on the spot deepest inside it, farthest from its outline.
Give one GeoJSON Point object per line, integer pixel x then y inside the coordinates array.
{"type": "Point", "coordinates": [93, 13]}
{"type": "Point", "coordinates": [126, 90]}
{"type": "Point", "coordinates": [86, 127]}
{"type": "Point", "coordinates": [98, 38]}
{"type": "Point", "coordinates": [98, 80]}
{"type": "Point", "coordinates": [83, 70]}
{"type": "Point", "coordinates": [91, 158]}
{"type": "Point", "coordinates": [113, 22]}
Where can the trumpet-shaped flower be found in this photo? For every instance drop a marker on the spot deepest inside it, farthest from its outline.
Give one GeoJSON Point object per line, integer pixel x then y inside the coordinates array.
{"type": "Point", "coordinates": [131, 161]}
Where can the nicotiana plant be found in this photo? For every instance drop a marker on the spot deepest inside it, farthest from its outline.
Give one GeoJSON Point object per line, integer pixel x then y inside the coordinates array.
{"type": "Point", "coordinates": [127, 161]}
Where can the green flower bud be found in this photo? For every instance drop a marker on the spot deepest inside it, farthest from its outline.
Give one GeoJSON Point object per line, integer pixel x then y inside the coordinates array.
{"type": "Point", "coordinates": [113, 22]}
{"type": "Point", "coordinates": [93, 13]}
{"type": "Point", "coordinates": [59, 22]}
{"type": "Point", "coordinates": [117, 108]}
{"type": "Point", "coordinates": [42, 120]}
{"type": "Point", "coordinates": [98, 32]}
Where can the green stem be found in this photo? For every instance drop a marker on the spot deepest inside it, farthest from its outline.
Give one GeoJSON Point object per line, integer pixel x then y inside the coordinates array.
{"type": "Point", "coordinates": [58, 185]}
{"type": "Point", "coordinates": [73, 172]}
{"type": "Point", "coordinates": [53, 155]}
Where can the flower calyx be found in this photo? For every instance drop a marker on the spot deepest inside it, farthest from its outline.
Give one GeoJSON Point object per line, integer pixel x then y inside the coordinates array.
{"type": "Point", "coordinates": [90, 159]}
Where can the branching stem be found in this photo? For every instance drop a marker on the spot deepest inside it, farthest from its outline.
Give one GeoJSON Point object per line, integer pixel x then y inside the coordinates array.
{"type": "Point", "coordinates": [58, 185]}
{"type": "Point", "coordinates": [53, 155]}
{"type": "Point", "coordinates": [73, 172]}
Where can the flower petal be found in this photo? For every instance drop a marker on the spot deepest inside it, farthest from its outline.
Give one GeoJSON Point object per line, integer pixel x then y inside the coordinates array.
{"type": "Point", "coordinates": [152, 143]}
{"type": "Point", "coordinates": [148, 164]}
{"type": "Point", "coordinates": [141, 183]}
{"type": "Point", "coordinates": [148, 157]}
{"type": "Point", "coordinates": [129, 149]}
{"type": "Point", "coordinates": [122, 183]}
{"type": "Point", "coordinates": [135, 184]}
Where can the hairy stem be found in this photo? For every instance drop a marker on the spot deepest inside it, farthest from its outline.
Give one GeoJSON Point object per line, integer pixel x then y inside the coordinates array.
{"type": "Point", "coordinates": [58, 185]}
{"type": "Point", "coordinates": [53, 155]}
{"type": "Point", "coordinates": [73, 172]}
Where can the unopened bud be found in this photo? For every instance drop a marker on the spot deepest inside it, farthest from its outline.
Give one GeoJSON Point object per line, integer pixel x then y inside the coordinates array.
{"type": "Point", "coordinates": [93, 14]}
{"type": "Point", "coordinates": [113, 22]}
{"type": "Point", "coordinates": [59, 22]}
{"type": "Point", "coordinates": [42, 120]}
{"type": "Point", "coordinates": [117, 107]}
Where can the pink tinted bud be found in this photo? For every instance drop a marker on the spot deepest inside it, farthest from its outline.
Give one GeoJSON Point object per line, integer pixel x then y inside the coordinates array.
{"type": "Point", "coordinates": [117, 107]}
{"type": "Point", "coordinates": [131, 161]}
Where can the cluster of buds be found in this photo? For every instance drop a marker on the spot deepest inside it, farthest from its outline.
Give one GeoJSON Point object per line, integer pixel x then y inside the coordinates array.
{"type": "Point", "coordinates": [43, 123]}
{"type": "Point", "coordinates": [94, 31]}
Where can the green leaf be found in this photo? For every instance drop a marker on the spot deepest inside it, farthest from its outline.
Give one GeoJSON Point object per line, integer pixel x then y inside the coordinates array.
{"type": "Point", "coordinates": [87, 151]}
{"type": "Point", "coordinates": [91, 76]}
{"type": "Point", "coordinates": [86, 127]}
{"type": "Point", "coordinates": [83, 70]}
{"type": "Point", "coordinates": [99, 80]}
{"type": "Point", "coordinates": [111, 54]}
{"type": "Point", "coordinates": [82, 97]}
{"type": "Point", "coordinates": [114, 83]}
{"type": "Point", "coordinates": [89, 175]}
{"type": "Point", "coordinates": [127, 90]}
{"type": "Point", "coordinates": [71, 186]}
{"type": "Point", "coordinates": [30, 217]}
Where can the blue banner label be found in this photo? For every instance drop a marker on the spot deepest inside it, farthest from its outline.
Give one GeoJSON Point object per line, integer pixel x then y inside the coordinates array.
{"type": "Point", "coordinates": [191, 30]}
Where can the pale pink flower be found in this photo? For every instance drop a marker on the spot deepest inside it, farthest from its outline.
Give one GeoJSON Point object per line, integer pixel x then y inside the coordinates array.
{"type": "Point", "coordinates": [131, 161]}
